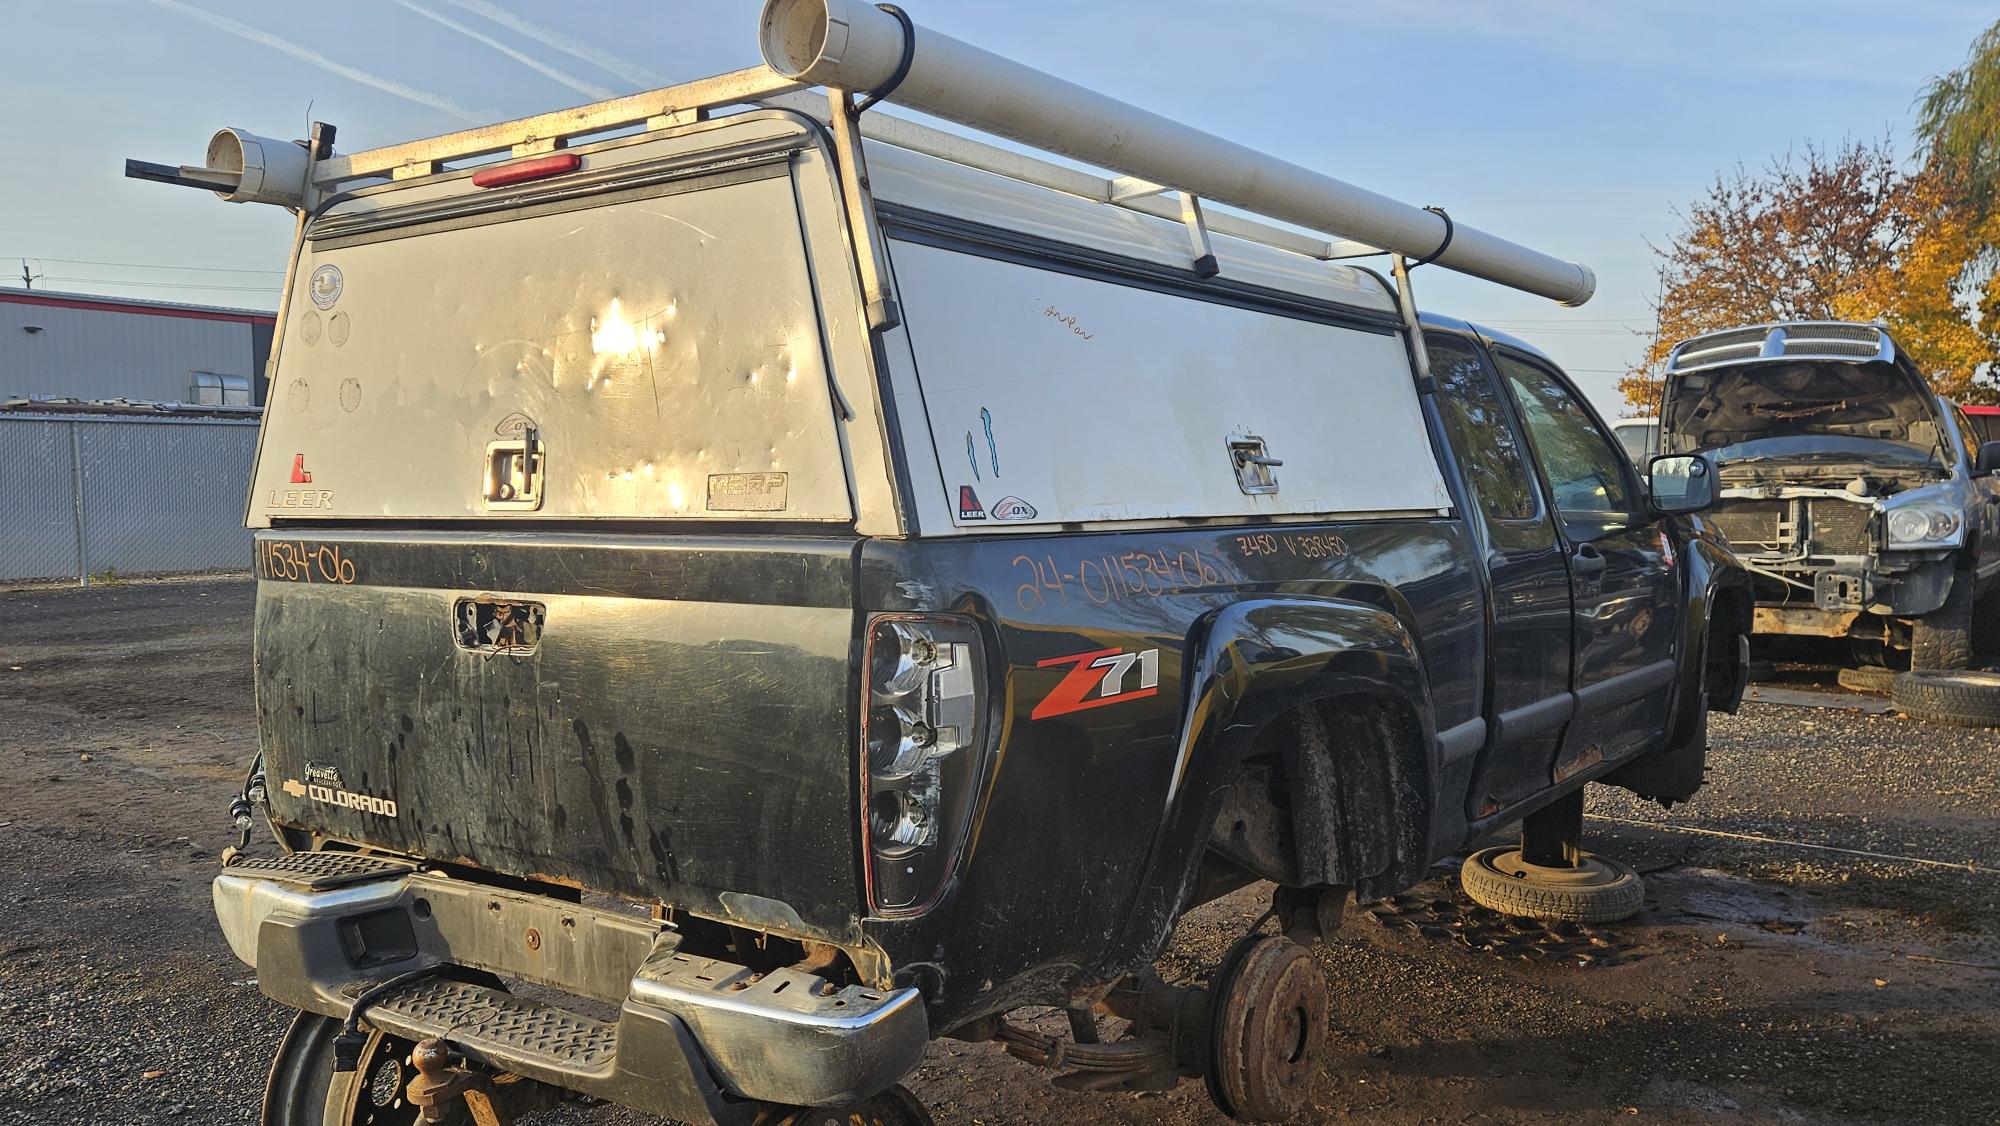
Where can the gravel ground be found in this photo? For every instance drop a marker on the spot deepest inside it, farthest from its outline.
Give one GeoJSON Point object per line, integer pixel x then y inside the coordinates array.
{"type": "Point", "coordinates": [1767, 982]}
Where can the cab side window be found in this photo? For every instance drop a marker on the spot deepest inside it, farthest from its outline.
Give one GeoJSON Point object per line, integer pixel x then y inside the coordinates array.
{"type": "Point", "coordinates": [1489, 453]}
{"type": "Point", "coordinates": [1584, 469]}
{"type": "Point", "coordinates": [1968, 435]}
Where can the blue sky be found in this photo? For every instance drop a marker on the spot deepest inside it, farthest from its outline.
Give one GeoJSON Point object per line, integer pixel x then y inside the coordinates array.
{"type": "Point", "coordinates": [1572, 127]}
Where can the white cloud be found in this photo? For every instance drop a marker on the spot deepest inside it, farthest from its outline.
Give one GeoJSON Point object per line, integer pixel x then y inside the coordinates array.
{"type": "Point", "coordinates": [313, 58]}
{"type": "Point", "coordinates": [575, 48]}
{"type": "Point", "coordinates": [587, 89]}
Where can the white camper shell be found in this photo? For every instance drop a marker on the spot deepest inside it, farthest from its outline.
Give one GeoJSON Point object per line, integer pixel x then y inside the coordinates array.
{"type": "Point", "coordinates": [734, 303]}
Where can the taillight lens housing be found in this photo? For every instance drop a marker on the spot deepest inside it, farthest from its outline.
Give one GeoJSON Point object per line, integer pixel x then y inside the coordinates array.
{"type": "Point", "coordinates": [923, 760]}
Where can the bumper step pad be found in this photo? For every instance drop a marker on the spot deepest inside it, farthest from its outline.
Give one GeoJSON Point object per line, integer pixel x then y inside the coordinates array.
{"type": "Point", "coordinates": [530, 1038]}
{"type": "Point", "coordinates": [319, 871]}
{"type": "Point", "coordinates": [499, 1028]}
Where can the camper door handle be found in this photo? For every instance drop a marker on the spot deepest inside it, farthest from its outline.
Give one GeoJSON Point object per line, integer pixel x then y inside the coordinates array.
{"type": "Point", "coordinates": [1253, 464]}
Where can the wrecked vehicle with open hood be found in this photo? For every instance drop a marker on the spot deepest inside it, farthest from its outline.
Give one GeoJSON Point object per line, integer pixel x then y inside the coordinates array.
{"type": "Point", "coordinates": [1863, 503]}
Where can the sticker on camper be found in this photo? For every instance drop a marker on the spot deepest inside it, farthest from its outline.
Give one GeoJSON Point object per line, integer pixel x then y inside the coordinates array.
{"type": "Point", "coordinates": [746, 492]}
{"type": "Point", "coordinates": [325, 286]}
{"type": "Point", "coordinates": [969, 507]}
{"type": "Point", "coordinates": [1013, 509]}
{"type": "Point", "coordinates": [992, 447]}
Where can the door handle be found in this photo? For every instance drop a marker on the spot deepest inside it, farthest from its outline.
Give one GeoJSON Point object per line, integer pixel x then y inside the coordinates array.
{"type": "Point", "coordinates": [1587, 562]}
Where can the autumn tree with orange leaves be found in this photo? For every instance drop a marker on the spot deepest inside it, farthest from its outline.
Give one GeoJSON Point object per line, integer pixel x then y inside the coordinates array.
{"type": "Point", "coordinates": [1842, 234]}
{"type": "Point", "coordinates": [1851, 234]}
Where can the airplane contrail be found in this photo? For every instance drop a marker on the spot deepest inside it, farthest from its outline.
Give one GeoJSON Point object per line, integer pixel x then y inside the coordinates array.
{"type": "Point", "coordinates": [576, 48]}
{"type": "Point", "coordinates": [588, 89]}
{"type": "Point", "coordinates": [306, 55]}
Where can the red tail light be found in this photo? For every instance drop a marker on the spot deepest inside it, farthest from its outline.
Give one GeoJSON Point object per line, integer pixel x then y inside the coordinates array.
{"type": "Point", "coordinates": [532, 169]}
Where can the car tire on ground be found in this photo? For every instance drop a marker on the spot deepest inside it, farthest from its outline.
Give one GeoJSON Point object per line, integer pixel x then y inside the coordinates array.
{"type": "Point", "coordinates": [1866, 678]}
{"type": "Point", "coordinates": [1597, 890]}
{"type": "Point", "coordinates": [1942, 639]}
{"type": "Point", "coordinates": [1966, 698]}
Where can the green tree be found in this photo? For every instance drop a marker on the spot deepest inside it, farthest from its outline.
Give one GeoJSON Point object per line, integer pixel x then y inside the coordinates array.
{"type": "Point", "coordinates": [1958, 120]}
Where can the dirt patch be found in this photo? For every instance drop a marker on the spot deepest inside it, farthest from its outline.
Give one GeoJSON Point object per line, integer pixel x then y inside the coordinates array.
{"type": "Point", "coordinates": [1765, 982]}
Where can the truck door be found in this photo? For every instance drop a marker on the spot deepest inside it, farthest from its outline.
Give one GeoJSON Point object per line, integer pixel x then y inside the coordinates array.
{"type": "Point", "coordinates": [1983, 509]}
{"type": "Point", "coordinates": [1623, 583]}
{"type": "Point", "coordinates": [1528, 656]}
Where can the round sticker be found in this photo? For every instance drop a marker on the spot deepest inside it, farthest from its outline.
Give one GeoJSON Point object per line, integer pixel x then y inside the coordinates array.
{"type": "Point", "coordinates": [325, 286]}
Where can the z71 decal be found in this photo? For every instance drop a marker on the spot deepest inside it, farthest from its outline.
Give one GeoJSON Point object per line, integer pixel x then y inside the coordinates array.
{"type": "Point", "coordinates": [1097, 678]}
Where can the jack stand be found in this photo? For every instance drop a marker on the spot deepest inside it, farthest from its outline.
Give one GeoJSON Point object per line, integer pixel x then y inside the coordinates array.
{"type": "Point", "coordinates": [1550, 836]}
{"type": "Point", "coordinates": [1549, 876]}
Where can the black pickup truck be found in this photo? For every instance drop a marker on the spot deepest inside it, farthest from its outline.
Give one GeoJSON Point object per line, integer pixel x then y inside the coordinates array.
{"type": "Point", "coordinates": [654, 612]}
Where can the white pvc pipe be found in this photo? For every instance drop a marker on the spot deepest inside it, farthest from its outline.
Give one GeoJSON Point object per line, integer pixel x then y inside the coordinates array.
{"type": "Point", "coordinates": [852, 45]}
{"type": "Point", "coordinates": [266, 171]}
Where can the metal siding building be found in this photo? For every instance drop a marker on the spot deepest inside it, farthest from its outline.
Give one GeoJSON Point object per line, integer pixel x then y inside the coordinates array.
{"type": "Point", "coordinates": [78, 346]}
{"type": "Point", "coordinates": [95, 487]}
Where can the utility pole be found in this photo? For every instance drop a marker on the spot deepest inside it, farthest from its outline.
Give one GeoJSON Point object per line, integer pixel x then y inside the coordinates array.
{"type": "Point", "coordinates": [28, 280]}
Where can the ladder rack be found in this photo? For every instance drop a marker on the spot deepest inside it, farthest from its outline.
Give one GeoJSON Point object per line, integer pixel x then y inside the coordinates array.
{"type": "Point", "coordinates": [1160, 167]}
{"type": "Point", "coordinates": [760, 85]}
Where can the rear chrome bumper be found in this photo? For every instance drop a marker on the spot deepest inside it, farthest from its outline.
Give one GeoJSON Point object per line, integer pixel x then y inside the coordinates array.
{"type": "Point", "coordinates": [695, 1038]}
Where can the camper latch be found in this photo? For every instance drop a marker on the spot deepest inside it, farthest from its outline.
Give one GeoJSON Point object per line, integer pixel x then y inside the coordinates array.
{"type": "Point", "coordinates": [514, 472]}
{"type": "Point", "coordinates": [1254, 464]}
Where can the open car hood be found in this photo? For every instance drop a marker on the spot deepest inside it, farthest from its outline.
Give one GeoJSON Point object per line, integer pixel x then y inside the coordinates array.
{"type": "Point", "coordinates": [1724, 406]}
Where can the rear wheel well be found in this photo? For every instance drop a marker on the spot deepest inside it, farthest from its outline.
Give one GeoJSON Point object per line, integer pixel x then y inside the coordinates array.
{"type": "Point", "coordinates": [1328, 793]}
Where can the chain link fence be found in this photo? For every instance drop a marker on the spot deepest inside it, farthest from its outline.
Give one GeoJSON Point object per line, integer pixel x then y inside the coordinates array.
{"type": "Point", "coordinates": [99, 495]}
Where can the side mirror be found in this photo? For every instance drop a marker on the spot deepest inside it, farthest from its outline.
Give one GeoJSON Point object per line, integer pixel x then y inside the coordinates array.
{"type": "Point", "coordinates": [1988, 460]}
{"type": "Point", "coordinates": [1685, 483]}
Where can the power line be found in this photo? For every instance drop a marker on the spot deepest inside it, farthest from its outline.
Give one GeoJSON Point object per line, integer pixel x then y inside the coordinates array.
{"type": "Point", "coordinates": [163, 266]}
{"type": "Point", "coordinates": [1556, 320]}
{"type": "Point", "coordinates": [271, 289]}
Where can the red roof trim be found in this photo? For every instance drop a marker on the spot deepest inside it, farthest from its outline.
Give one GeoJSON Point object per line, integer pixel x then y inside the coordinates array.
{"type": "Point", "coordinates": [113, 305]}
{"type": "Point", "coordinates": [1979, 408]}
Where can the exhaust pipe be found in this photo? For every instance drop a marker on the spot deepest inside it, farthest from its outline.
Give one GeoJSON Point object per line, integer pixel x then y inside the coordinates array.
{"type": "Point", "coordinates": [854, 46]}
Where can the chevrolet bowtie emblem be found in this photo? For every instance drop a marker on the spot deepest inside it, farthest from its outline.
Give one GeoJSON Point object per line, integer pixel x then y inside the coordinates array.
{"type": "Point", "coordinates": [294, 787]}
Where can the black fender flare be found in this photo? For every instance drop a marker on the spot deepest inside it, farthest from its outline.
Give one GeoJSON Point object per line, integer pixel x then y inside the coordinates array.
{"type": "Point", "coordinates": [1714, 574]}
{"type": "Point", "coordinates": [1252, 661]}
